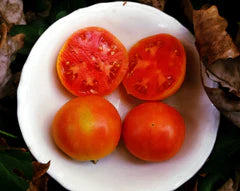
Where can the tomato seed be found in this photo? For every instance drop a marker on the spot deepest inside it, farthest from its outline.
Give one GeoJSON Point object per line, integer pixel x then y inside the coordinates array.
{"type": "Point", "coordinates": [160, 43]}
{"type": "Point", "coordinates": [176, 52]}
{"type": "Point", "coordinates": [93, 58]}
{"type": "Point", "coordinates": [141, 89]}
{"type": "Point", "coordinates": [147, 49]}
{"type": "Point", "coordinates": [113, 47]}
{"type": "Point", "coordinates": [93, 91]}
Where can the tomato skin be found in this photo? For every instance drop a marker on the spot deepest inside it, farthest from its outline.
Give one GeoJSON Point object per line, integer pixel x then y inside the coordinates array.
{"type": "Point", "coordinates": [87, 128]}
{"type": "Point", "coordinates": [157, 67]}
{"type": "Point", "coordinates": [153, 131]}
{"type": "Point", "coordinates": [92, 61]}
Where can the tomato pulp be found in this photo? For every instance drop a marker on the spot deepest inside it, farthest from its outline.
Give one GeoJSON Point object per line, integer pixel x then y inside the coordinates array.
{"type": "Point", "coordinates": [157, 66]}
{"type": "Point", "coordinates": [92, 61]}
{"type": "Point", "coordinates": [153, 131]}
{"type": "Point", "coordinates": [87, 128]}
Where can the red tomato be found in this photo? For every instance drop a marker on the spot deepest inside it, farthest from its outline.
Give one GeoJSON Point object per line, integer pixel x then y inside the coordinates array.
{"type": "Point", "coordinates": [157, 66]}
{"type": "Point", "coordinates": [92, 61]}
{"type": "Point", "coordinates": [153, 131]}
{"type": "Point", "coordinates": [87, 128]}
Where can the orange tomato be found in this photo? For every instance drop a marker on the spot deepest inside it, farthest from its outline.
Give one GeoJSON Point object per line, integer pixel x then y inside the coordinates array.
{"type": "Point", "coordinates": [87, 128]}
{"type": "Point", "coordinates": [153, 131]}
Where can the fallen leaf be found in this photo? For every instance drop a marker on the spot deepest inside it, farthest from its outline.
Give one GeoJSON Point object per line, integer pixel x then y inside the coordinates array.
{"type": "Point", "coordinates": [224, 158]}
{"type": "Point", "coordinates": [16, 169]}
{"type": "Point", "coordinates": [40, 178]}
{"type": "Point", "coordinates": [159, 4]}
{"type": "Point", "coordinates": [43, 11]}
{"type": "Point", "coordinates": [7, 55]}
{"type": "Point", "coordinates": [3, 34]}
{"type": "Point", "coordinates": [237, 40]}
{"type": "Point", "coordinates": [188, 9]}
{"type": "Point", "coordinates": [212, 40]}
{"type": "Point", "coordinates": [12, 11]}
{"type": "Point", "coordinates": [228, 186]}
{"type": "Point", "coordinates": [220, 68]}
{"type": "Point", "coordinates": [227, 73]}
{"type": "Point", "coordinates": [232, 184]}
{"type": "Point", "coordinates": [40, 169]}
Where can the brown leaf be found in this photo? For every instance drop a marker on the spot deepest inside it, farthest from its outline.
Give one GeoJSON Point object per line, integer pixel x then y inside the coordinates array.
{"type": "Point", "coordinates": [228, 186]}
{"type": "Point", "coordinates": [237, 40]}
{"type": "Point", "coordinates": [40, 169]}
{"type": "Point", "coordinates": [188, 9]}
{"type": "Point", "coordinates": [7, 55]}
{"type": "Point", "coordinates": [190, 185]}
{"type": "Point", "coordinates": [40, 178]}
{"type": "Point", "coordinates": [12, 11]}
{"type": "Point", "coordinates": [3, 142]}
{"type": "Point", "coordinates": [159, 4]}
{"type": "Point", "coordinates": [31, 16]}
{"type": "Point", "coordinates": [221, 62]}
{"type": "Point", "coordinates": [3, 34]}
{"type": "Point", "coordinates": [227, 73]}
{"type": "Point", "coordinates": [212, 40]}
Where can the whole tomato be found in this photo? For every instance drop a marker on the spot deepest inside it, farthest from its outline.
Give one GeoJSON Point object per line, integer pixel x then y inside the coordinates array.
{"type": "Point", "coordinates": [87, 128]}
{"type": "Point", "coordinates": [153, 131]}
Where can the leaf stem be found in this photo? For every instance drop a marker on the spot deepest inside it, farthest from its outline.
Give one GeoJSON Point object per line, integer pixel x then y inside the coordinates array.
{"type": "Point", "coordinates": [8, 134]}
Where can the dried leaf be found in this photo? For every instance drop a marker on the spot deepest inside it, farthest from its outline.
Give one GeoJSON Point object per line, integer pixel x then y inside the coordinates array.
{"type": "Point", "coordinates": [39, 184]}
{"type": "Point", "coordinates": [221, 62]}
{"type": "Point", "coordinates": [7, 53]}
{"type": "Point", "coordinates": [40, 178]}
{"type": "Point", "coordinates": [159, 4]}
{"type": "Point", "coordinates": [188, 9]}
{"type": "Point", "coordinates": [40, 169]}
{"type": "Point", "coordinates": [3, 34]}
{"type": "Point", "coordinates": [228, 186]}
{"type": "Point", "coordinates": [232, 184]}
{"type": "Point", "coordinates": [12, 11]}
{"type": "Point", "coordinates": [212, 40]}
{"type": "Point", "coordinates": [237, 40]}
{"type": "Point", "coordinates": [227, 73]}
{"type": "Point", "coordinates": [31, 15]}
{"type": "Point", "coordinates": [16, 168]}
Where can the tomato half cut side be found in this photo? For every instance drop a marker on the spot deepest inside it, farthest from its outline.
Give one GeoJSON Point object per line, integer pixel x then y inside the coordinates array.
{"type": "Point", "coordinates": [92, 61]}
{"type": "Point", "coordinates": [157, 67]}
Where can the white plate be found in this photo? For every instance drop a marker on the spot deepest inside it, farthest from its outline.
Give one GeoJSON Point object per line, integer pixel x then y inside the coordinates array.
{"type": "Point", "coordinates": [40, 95]}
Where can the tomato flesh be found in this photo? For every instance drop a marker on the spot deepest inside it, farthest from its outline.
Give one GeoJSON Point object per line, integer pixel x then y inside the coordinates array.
{"type": "Point", "coordinates": [157, 66]}
{"type": "Point", "coordinates": [87, 128]}
{"type": "Point", "coordinates": [153, 131]}
{"type": "Point", "coordinates": [92, 61]}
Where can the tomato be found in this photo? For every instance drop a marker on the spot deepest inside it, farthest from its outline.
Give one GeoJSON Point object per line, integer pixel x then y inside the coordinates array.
{"type": "Point", "coordinates": [87, 128]}
{"type": "Point", "coordinates": [153, 131]}
{"type": "Point", "coordinates": [157, 67]}
{"type": "Point", "coordinates": [92, 61]}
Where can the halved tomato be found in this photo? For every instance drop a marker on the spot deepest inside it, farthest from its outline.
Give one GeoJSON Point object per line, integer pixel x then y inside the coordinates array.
{"type": "Point", "coordinates": [157, 66]}
{"type": "Point", "coordinates": [92, 61]}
